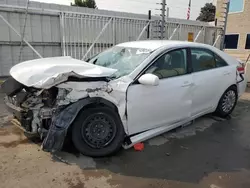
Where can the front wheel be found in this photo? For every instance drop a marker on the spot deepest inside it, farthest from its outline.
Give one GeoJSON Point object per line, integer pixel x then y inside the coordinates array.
{"type": "Point", "coordinates": [227, 102]}
{"type": "Point", "coordinates": [98, 132]}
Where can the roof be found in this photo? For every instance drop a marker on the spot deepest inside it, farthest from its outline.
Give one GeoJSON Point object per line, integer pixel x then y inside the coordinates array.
{"type": "Point", "coordinates": [155, 44]}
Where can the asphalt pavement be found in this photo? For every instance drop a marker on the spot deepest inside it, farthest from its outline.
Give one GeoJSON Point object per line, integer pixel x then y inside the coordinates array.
{"type": "Point", "coordinates": [211, 152]}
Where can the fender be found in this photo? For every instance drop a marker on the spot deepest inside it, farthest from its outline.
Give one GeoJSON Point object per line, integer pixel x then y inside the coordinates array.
{"type": "Point", "coordinates": [62, 120]}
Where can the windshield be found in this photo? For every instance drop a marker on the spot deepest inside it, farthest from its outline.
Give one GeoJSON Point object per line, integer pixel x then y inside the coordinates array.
{"type": "Point", "coordinates": [124, 59]}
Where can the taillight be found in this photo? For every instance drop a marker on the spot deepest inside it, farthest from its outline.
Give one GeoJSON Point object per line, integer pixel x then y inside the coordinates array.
{"type": "Point", "coordinates": [241, 69]}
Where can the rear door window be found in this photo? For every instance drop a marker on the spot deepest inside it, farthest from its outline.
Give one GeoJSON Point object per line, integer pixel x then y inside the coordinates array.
{"type": "Point", "coordinates": [204, 59]}
{"type": "Point", "coordinates": [219, 61]}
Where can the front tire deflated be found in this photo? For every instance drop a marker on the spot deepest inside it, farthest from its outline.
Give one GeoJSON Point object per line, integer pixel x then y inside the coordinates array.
{"type": "Point", "coordinates": [98, 132]}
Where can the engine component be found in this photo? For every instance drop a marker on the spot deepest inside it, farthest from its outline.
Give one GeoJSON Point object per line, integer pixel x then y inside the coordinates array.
{"type": "Point", "coordinates": [11, 87]}
{"type": "Point", "coordinates": [46, 113]}
{"type": "Point", "coordinates": [49, 96]}
{"type": "Point", "coordinates": [26, 120]}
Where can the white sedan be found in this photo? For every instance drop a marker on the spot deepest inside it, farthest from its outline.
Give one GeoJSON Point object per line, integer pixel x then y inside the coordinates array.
{"type": "Point", "coordinates": [124, 95]}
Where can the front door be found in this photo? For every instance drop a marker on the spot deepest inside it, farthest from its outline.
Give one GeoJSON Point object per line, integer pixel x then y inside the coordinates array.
{"type": "Point", "coordinates": [169, 102]}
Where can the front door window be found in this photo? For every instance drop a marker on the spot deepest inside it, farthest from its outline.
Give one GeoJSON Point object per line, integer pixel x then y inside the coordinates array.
{"type": "Point", "coordinates": [171, 64]}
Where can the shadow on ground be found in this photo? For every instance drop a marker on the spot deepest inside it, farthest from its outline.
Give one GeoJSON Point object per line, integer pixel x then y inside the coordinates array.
{"type": "Point", "coordinates": [223, 147]}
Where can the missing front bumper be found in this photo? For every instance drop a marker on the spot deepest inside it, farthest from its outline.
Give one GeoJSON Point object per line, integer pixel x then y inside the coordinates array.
{"type": "Point", "coordinates": [22, 118]}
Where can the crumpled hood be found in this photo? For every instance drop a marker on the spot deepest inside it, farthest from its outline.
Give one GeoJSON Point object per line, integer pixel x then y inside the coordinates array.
{"type": "Point", "coordinates": [47, 72]}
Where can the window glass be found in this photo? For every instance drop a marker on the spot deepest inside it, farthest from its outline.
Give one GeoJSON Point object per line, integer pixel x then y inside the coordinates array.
{"type": "Point", "coordinates": [123, 59]}
{"type": "Point", "coordinates": [202, 59]}
{"type": "Point", "coordinates": [219, 61]}
{"type": "Point", "coordinates": [236, 6]}
{"type": "Point", "coordinates": [171, 64]}
{"type": "Point", "coordinates": [231, 41]}
{"type": "Point", "coordinates": [247, 42]}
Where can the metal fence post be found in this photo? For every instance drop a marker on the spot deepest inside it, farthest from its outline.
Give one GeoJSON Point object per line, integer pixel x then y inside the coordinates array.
{"type": "Point", "coordinates": [149, 18]}
{"type": "Point", "coordinates": [63, 34]}
{"type": "Point", "coordinates": [114, 31]}
{"type": "Point", "coordinates": [143, 30]}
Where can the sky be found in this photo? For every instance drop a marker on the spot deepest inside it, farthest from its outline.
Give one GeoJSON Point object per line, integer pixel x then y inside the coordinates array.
{"type": "Point", "coordinates": [177, 8]}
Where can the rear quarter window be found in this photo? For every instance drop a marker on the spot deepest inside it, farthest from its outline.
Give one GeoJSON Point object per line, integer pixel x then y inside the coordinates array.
{"type": "Point", "coordinates": [219, 61]}
{"type": "Point", "coordinates": [205, 59]}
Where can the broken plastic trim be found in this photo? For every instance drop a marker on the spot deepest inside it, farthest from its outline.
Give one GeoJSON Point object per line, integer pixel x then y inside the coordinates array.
{"type": "Point", "coordinates": [62, 120]}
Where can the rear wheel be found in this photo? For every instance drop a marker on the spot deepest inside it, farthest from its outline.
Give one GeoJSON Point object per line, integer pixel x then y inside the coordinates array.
{"type": "Point", "coordinates": [227, 102]}
{"type": "Point", "coordinates": [98, 132]}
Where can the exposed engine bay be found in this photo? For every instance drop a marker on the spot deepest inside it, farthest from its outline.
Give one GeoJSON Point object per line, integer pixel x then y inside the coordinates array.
{"type": "Point", "coordinates": [37, 106]}
{"type": "Point", "coordinates": [48, 113]}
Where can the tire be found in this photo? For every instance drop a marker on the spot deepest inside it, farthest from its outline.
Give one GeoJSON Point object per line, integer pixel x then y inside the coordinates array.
{"type": "Point", "coordinates": [98, 132]}
{"type": "Point", "coordinates": [227, 102]}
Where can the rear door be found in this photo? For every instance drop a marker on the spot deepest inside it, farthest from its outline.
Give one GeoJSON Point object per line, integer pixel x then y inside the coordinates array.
{"type": "Point", "coordinates": [211, 77]}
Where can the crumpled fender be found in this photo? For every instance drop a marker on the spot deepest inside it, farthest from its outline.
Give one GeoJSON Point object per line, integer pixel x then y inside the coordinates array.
{"type": "Point", "coordinates": [62, 120]}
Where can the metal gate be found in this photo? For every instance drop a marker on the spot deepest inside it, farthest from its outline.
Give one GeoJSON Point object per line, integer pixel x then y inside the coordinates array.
{"type": "Point", "coordinates": [84, 35]}
{"type": "Point", "coordinates": [202, 33]}
{"type": "Point", "coordinates": [53, 32]}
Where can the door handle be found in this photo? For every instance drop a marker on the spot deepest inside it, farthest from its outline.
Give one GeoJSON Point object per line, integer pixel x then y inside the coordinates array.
{"type": "Point", "coordinates": [226, 73]}
{"type": "Point", "coordinates": [187, 84]}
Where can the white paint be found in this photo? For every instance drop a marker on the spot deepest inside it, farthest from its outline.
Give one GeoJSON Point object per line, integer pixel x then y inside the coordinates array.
{"type": "Point", "coordinates": [209, 86]}
{"type": "Point", "coordinates": [152, 133]}
{"type": "Point", "coordinates": [155, 106]}
{"type": "Point", "coordinates": [47, 72]}
{"type": "Point", "coordinates": [153, 109]}
{"type": "Point", "coordinates": [149, 79]}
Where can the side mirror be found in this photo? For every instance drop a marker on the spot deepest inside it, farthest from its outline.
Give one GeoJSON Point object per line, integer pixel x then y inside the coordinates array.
{"type": "Point", "coordinates": [149, 79]}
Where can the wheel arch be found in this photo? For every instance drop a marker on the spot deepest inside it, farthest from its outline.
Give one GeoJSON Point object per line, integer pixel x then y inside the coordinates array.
{"type": "Point", "coordinates": [95, 102]}
{"type": "Point", "coordinates": [98, 101]}
{"type": "Point", "coordinates": [63, 120]}
{"type": "Point", "coordinates": [233, 87]}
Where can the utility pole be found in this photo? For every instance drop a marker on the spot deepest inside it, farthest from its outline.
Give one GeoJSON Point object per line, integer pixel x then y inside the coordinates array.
{"type": "Point", "coordinates": [163, 15]}
{"type": "Point", "coordinates": [225, 25]}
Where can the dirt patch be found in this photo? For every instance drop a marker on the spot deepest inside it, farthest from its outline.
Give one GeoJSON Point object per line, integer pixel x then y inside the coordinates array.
{"type": "Point", "coordinates": [4, 132]}
{"type": "Point", "coordinates": [74, 183]}
{"type": "Point", "coordinates": [14, 143]}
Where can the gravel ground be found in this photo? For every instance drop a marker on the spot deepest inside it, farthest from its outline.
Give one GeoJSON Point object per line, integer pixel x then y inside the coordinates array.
{"type": "Point", "coordinates": [210, 153]}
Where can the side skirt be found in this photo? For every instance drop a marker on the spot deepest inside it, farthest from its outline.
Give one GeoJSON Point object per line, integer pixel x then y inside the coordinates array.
{"type": "Point", "coordinates": [160, 130]}
{"type": "Point", "coordinates": [154, 132]}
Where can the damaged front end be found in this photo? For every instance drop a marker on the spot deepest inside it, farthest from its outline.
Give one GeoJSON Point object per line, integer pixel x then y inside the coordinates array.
{"type": "Point", "coordinates": [46, 95]}
{"type": "Point", "coordinates": [32, 107]}
{"type": "Point", "coordinates": [48, 113]}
